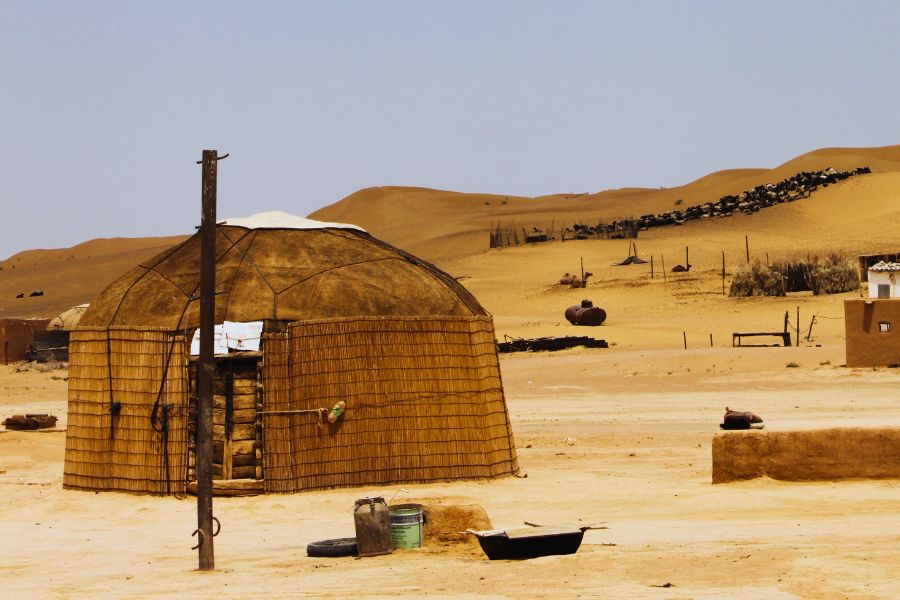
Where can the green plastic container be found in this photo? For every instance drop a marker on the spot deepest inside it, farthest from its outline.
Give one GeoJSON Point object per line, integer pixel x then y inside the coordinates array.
{"type": "Point", "coordinates": [406, 525]}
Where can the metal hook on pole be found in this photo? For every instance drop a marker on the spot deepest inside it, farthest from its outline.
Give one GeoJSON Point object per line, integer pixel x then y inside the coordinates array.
{"type": "Point", "coordinates": [200, 539]}
{"type": "Point", "coordinates": [226, 155]}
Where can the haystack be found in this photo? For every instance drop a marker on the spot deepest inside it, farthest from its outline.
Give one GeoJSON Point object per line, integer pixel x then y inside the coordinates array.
{"type": "Point", "coordinates": [343, 317]}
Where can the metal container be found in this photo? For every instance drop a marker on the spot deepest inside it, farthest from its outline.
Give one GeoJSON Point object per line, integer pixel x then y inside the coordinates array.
{"type": "Point", "coordinates": [585, 314]}
{"type": "Point", "coordinates": [373, 526]}
{"type": "Point", "coordinates": [406, 525]}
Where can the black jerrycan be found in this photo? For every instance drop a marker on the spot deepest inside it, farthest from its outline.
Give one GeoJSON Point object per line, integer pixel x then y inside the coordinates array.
{"type": "Point", "coordinates": [373, 527]}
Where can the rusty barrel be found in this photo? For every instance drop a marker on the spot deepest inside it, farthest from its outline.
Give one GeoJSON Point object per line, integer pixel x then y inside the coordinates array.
{"type": "Point", "coordinates": [585, 314]}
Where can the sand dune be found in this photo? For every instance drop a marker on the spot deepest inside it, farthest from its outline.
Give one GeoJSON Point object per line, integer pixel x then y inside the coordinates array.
{"type": "Point", "coordinates": [431, 222]}
{"type": "Point", "coordinates": [70, 276]}
{"type": "Point", "coordinates": [443, 226]}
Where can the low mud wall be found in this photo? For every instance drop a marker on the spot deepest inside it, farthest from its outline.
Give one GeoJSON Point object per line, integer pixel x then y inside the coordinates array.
{"type": "Point", "coordinates": [820, 454]}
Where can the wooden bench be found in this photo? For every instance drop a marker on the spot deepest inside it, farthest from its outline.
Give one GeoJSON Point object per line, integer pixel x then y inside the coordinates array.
{"type": "Point", "coordinates": [784, 335]}
{"type": "Point", "coordinates": [737, 337]}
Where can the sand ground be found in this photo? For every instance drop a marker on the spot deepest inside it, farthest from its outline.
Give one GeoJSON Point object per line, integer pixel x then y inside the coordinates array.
{"type": "Point", "coordinates": [639, 425]}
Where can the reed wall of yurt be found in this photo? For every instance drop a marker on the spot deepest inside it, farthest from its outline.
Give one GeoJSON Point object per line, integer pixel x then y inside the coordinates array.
{"type": "Point", "coordinates": [128, 411]}
{"type": "Point", "coordinates": [424, 402]}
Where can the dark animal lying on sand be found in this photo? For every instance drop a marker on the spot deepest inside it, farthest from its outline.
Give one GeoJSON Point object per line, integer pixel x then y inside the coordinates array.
{"type": "Point", "coordinates": [736, 419]}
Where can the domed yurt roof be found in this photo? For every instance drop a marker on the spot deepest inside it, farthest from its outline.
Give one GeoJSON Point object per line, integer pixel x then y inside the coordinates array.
{"type": "Point", "coordinates": [276, 266]}
{"type": "Point", "coordinates": [67, 319]}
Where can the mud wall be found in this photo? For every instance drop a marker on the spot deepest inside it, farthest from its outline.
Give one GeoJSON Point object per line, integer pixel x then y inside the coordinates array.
{"type": "Point", "coordinates": [814, 455]}
{"type": "Point", "coordinates": [15, 334]}
{"type": "Point", "coordinates": [868, 344]}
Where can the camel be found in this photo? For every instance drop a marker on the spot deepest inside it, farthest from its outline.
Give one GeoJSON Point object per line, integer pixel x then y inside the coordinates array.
{"type": "Point", "coordinates": [574, 280]}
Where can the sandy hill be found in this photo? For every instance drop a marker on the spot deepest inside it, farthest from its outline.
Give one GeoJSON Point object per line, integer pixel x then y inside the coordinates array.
{"type": "Point", "coordinates": [70, 276]}
{"type": "Point", "coordinates": [451, 228]}
{"type": "Point", "coordinates": [440, 224]}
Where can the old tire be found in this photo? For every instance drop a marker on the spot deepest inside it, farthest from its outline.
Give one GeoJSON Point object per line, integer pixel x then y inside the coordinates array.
{"type": "Point", "coordinates": [332, 548]}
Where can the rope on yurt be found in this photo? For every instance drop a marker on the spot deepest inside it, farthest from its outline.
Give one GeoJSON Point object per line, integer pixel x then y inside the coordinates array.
{"type": "Point", "coordinates": [159, 417]}
{"type": "Point", "coordinates": [114, 407]}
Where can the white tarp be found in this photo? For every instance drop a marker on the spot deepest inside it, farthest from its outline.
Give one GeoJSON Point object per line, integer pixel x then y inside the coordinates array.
{"type": "Point", "coordinates": [277, 219]}
{"type": "Point", "coordinates": [231, 336]}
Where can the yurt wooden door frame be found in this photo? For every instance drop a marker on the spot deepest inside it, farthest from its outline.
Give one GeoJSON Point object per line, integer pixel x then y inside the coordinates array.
{"type": "Point", "coordinates": [237, 401]}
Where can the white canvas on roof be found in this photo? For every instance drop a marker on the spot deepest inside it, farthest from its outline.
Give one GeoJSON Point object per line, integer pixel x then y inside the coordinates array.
{"type": "Point", "coordinates": [277, 219]}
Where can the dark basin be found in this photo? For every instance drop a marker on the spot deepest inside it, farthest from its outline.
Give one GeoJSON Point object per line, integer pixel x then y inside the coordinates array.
{"type": "Point", "coordinates": [531, 542]}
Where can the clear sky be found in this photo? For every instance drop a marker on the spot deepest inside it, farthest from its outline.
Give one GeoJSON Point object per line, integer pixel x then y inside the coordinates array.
{"type": "Point", "coordinates": [106, 106]}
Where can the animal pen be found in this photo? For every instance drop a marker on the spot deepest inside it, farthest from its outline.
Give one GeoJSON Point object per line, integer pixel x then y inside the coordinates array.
{"type": "Point", "coordinates": [343, 317]}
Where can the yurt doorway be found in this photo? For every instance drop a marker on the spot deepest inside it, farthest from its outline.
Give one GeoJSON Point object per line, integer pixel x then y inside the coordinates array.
{"type": "Point", "coordinates": [237, 445]}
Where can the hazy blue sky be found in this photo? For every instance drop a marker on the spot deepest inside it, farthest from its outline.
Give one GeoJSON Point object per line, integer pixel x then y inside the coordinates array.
{"type": "Point", "coordinates": [106, 106]}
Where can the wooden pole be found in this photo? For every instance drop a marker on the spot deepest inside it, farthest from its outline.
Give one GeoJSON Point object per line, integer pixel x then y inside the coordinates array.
{"type": "Point", "coordinates": [798, 327]}
{"type": "Point", "coordinates": [684, 335]}
{"type": "Point", "coordinates": [651, 266]}
{"type": "Point", "coordinates": [747, 246]}
{"type": "Point", "coordinates": [207, 367]}
{"type": "Point", "coordinates": [710, 341]}
{"type": "Point", "coordinates": [687, 260]}
{"type": "Point", "coordinates": [723, 272]}
{"type": "Point", "coordinates": [664, 269]}
{"type": "Point", "coordinates": [582, 268]}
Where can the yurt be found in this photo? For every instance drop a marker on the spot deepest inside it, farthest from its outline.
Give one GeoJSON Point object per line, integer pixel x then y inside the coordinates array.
{"type": "Point", "coordinates": [68, 319]}
{"type": "Point", "coordinates": [340, 361]}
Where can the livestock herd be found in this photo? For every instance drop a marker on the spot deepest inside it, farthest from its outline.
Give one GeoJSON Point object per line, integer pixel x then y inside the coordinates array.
{"type": "Point", "coordinates": [793, 188]}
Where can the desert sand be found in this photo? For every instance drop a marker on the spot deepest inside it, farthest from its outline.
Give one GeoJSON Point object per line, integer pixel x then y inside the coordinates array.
{"type": "Point", "coordinates": [619, 437]}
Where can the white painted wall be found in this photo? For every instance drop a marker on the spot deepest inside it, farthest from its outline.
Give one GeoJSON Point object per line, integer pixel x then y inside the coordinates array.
{"type": "Point", "coordinates": [884, 277]}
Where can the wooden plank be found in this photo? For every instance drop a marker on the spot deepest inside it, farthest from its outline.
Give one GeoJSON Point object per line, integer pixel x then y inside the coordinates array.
{"type": "Point", "coordinates": [232, 487]}
{"type": "Point", "coordinates": [245, 416]}
{"type": "Point", "coordinates": [241, 401]}
{"type": "Point", "coordinates": [245, 387]}
{"type": "Point", "coordinates": [243, 431]}
{"type": "Point", "coordinates": [242, 447]}
{"type": "Point", "coordinates": [227, 460]}
{"type": "Point", "coordinates": [248, 472]}
{"type": "Point", "coordinates": [244, 460]}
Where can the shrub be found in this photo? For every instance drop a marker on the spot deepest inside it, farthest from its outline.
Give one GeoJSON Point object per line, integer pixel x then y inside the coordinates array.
{"type": "Point", "coordinates": [834, 275]}
{"type": "Point", "coordinates": [756, 280]}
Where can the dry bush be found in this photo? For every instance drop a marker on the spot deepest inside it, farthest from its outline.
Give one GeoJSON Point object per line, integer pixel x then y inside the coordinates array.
{"type": "Point", "coordinates": [795, 273]}
{"type": "Point", "coordinates": [834, 275]}
{"type": "Point", "coordinates": [756, 280]}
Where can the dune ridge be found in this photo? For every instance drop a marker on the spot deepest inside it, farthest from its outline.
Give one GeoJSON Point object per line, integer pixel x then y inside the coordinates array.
{"type": "Point", "coordinates": [437, 223]}
{"type": "Point", "coordinates": [444, 226]}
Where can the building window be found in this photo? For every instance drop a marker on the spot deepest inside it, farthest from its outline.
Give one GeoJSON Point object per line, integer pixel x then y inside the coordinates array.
{"type": "Point", "coordinates": [884, 327]}
{"type": "Point", "coordinates": [884, 290]}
